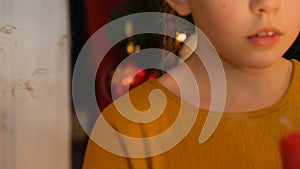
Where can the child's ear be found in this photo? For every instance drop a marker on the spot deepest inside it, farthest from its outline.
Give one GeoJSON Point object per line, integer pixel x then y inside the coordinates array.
{"type": "Point", "coordinates": [182, 7]}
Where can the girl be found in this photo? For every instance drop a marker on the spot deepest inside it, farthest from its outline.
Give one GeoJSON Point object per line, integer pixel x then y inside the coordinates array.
{"type": "Point", "coordinates": [250, 37]}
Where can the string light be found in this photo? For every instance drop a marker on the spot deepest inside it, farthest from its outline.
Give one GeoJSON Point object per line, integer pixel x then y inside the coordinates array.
{"type": "Point", "coordinates": [126, 81]}
{"type": "Point", "coordinates": [181, 37]}
{"type": "Point", "coordinates": [130, 48]}
{"type": "Point", "coordinates": [137, 48]}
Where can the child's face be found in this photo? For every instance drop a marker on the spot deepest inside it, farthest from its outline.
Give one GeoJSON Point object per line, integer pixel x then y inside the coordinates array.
{"type": "Point", "coordinates": [233, 27]}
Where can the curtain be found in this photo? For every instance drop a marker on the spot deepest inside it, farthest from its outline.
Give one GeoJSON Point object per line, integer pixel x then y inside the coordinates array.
{"type": "Point", "coordinates": [34, 84]}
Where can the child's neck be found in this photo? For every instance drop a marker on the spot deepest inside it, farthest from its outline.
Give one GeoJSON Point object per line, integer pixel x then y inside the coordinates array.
{"type": "Point", "coordinates": [252, 89]}
{"type": "Point", "coordinates": [247, 89]}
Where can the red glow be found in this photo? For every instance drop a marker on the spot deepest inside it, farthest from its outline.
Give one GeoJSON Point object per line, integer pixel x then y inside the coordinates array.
{"type": "Point", "coordinates": [126, 81]}
{"type": "Point", "coordinates": [152, 76]}
{"type": "Point", "coordinates": [128, 78]}
{"type": "Point", "coordinates": [142, 73]}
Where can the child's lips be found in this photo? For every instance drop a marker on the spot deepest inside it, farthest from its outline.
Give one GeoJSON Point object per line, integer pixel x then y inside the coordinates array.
{"type": "Point", "coordinates": [265, 37]}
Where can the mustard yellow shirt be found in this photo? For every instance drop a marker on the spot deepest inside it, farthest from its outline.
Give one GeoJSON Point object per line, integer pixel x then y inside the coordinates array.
{"type": "Point", "coordinates": [248, 140]}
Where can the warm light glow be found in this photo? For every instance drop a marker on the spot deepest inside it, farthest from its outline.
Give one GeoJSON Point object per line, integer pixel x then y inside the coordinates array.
{"type": "Point", "coordinates": [128, 28]}
{"type": "Point", "coordinates": [152, 77]}
{"type": "Point", "coordinates": [142, 73]}
{"type": "Point", "coordinates": [137, 48]}
{"type": "Point", "coordinates": [181, 37]}
{"type": "Point", "coordinates": [130, 48]}
{"type": "Point", "coordinates": [126, 81]}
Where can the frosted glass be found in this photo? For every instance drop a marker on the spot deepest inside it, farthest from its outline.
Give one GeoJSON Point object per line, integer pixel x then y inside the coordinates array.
{"type": "Point", "coordinates": [34, 84]}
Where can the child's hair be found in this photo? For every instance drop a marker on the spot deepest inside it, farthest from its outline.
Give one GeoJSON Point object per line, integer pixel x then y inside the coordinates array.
{"type": "Point", "coordinates": [168, 43]}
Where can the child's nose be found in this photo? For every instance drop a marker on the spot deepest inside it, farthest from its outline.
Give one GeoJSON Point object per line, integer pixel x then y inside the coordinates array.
{"type": "Point", "coordinates": [264, 6]}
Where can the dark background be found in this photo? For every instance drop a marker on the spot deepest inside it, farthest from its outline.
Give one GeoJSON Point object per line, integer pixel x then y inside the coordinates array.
{"type": "Point", "coordinates": [86, 17]}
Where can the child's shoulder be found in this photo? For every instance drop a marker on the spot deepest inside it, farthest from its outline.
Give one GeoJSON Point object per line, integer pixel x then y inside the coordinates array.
{"type": "Point", "coordinates": [292, 95]}
{"type": "Point", "coordinates": [147, 109]}
{"type": "Point", "coordinates": [142, 99]}
{"type": "Point", "coordinates": [296, 64]}
{"type": "Point", "coordinates": [140, 95]}
{"type": "Point", "coordinates": [296, 71]}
